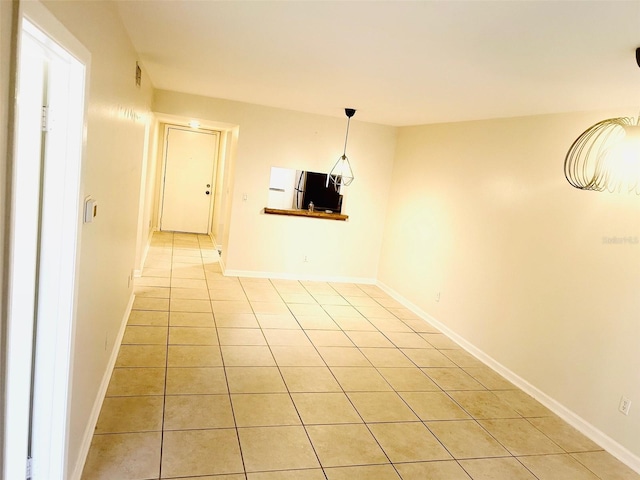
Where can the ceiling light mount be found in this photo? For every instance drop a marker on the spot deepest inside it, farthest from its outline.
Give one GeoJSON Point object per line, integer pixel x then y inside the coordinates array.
{"type": "Point", "coordinates": [341, 174]}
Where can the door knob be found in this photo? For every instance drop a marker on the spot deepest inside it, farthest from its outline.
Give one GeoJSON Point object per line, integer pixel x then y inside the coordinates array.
{"type": "Point", "coordinates": [207, 192]}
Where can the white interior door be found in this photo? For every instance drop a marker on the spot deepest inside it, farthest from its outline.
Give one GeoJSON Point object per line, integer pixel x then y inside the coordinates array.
{"type": "Point", "coordinates": [188, 180]}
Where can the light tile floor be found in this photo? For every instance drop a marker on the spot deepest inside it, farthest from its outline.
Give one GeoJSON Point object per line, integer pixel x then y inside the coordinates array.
{"type": "Point", "coordinates": [223, 378]}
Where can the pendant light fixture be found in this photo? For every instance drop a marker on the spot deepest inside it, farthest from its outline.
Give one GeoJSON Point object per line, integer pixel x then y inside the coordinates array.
{"type": "Point", "coordinates": [606, 156]}
{"type": "Point", "coordinates": [341, 174]}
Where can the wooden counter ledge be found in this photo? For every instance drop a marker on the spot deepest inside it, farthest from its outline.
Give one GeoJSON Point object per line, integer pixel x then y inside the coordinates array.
{"type": "Point", "coordinates": [306, 213]}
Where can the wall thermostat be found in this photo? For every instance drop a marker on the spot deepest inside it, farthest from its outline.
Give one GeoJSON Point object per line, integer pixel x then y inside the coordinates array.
{"type": "Point", "coordinates": [90, 209]}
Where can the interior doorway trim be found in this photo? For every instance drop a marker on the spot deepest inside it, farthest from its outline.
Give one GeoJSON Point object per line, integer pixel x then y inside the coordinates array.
{"type": "Point", "coordinates": [225, 158]}
{"type": "Point", "coordinates": [57, 213]}
{"type": "Point", "coordinates": [212, 185]}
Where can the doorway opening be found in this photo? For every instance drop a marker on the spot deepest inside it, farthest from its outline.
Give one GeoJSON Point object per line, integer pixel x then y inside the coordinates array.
{"type": "Point", "coordinates": [45, 217]}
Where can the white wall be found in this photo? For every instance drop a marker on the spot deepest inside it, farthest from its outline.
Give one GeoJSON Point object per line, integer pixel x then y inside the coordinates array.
{"type": "Point", "coordinates": [115, 142]}
{"type": "Point", "coordinates": [482, 213]}
{"type": "Point", "coordinates": [261, 244]}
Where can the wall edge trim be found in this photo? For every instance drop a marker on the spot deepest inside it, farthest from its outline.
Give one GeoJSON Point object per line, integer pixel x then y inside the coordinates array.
{"type": "Point", "coordinates": [102, 391]}
{"type": "Point", "coordinates": [137, 273]}
{"type": "Point", "coordinates": [216, 245]}
{"type": "Point", "coordinates": [596, 435]}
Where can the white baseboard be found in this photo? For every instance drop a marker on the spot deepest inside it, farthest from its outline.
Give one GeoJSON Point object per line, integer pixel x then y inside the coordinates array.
{"type": "Point", "coordinates": [580, 424]}
{"type": "Point", "coordinates": [295, 276]}
{"type": "Point", "coordinates": [102, 391]}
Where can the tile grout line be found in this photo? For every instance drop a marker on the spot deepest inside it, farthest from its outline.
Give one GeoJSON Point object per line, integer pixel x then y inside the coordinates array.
{"type": "Point", "coordinates": [376, 368]}
{"type": "Point", "coordinates": [281, 376]}
{"type": "Point", "coordinates": [166, 362]}
{"type": "Point", "coordinates": [226, 379]}
{"type": "Point", "coordinates": [337, 382]}
{"type": "Point", "coordinates": [371, 366]}
{"type": "Point", "coordinates": [442, 390]}
{"type": "Point", "coordinates": [302, 424]}
{"type": "Point", "coordinates": [344, 392]}
{"type": "Point", "coordinates": [377, 371]}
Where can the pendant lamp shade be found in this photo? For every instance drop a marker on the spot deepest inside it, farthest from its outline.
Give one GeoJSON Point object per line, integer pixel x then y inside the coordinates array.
{"type": "Point", "coordinates": [606, 156]}
{"type": "Point", "coordinates": [341, 174]}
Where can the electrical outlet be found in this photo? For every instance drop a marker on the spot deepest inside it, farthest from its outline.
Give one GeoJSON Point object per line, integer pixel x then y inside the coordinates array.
{"type": "Point", "coordinates": [625, 405]}
{"type": "Point", "coordinates": [438, 297]}
{"type": "Point", "coordinates": [306, 259]}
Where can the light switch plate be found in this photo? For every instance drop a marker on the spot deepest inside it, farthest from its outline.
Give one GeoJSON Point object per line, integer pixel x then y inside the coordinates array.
{"type": "Point", "coordinates": [90, 209]}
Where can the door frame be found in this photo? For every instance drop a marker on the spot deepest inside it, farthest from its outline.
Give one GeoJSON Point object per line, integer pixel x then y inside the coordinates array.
{"type": "Point", "coordinates": [165, 148]}
{"type": "Point", "coordinates": [59, 254]}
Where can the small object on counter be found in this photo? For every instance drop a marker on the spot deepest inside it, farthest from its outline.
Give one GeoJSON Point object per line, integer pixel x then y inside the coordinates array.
{"type": "Point", "coordinates": [311, 206]}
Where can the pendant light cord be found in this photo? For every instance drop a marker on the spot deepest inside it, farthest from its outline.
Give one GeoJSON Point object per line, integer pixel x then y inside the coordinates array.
{"type": "Point", "coordinates": [346, 137]}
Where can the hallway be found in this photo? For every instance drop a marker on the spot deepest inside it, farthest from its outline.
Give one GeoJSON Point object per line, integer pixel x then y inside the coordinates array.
{"type": "Point", "coordinates": [221, 378]}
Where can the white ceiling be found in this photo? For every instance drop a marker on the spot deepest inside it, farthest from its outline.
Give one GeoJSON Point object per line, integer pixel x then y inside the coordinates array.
{"type": "Point", "coordinates": [397, 63]}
